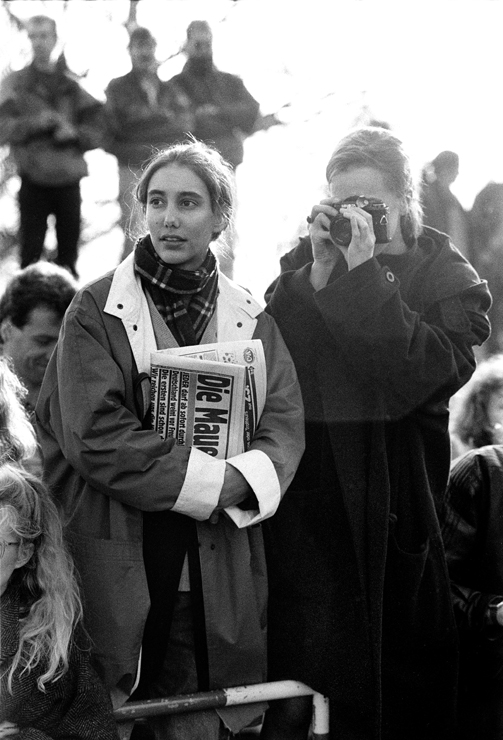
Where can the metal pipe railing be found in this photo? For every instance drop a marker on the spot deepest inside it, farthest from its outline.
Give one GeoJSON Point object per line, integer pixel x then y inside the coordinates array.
{"type": "Point", "coordinates": [230, 697]}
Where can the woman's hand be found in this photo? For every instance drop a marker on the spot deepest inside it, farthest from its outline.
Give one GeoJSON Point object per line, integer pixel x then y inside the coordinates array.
{"type": "Point", "coordinates": [235, 490]}
{"type": "Point", "coordinates": [8, 729]}
{"type": "Point", "coordinates": [360, 249]}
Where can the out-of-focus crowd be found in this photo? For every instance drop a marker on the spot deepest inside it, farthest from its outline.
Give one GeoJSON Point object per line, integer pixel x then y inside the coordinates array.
{"type": "Point", "coordinates": [354, 542]}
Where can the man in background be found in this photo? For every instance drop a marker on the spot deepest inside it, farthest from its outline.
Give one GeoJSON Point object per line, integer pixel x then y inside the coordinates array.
{"type": "Point", "coordinates": [143, 114]}
{"type": "Point", "coordinates": [225, 113]}
{"type": "Point", "coordinates": [49, 120]}
{"type": "Point", "coordinates": [31, 311]}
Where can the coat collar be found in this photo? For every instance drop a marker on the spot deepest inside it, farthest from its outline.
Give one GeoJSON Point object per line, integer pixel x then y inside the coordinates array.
{"type": "Point", "coordinates": [237, 311]}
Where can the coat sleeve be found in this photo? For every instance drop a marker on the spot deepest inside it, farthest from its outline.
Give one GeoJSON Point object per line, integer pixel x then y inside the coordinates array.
{"type": "Point", "coordinates": [278, 444]}
{"type": "Point", "coordinates": [412, 358]}
{"type": "Point", "coordinates": [83, 412]}
{"type": "Point", "coordinates": [270, 463]}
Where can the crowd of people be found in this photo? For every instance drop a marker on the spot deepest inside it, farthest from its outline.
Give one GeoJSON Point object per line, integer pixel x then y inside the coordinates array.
{"type": "Point", "coordinates": [336, 546]}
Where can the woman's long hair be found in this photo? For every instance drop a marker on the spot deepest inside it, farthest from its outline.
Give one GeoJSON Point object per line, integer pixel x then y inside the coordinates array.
{"type": "Point", "coordinates": [17, 438]}
{"type": "Point", "coordinates": [48, 592]}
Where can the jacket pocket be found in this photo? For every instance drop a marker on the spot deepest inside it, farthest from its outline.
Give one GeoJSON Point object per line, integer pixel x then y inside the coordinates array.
{"type": "Point", "coordinates": [116, 601]}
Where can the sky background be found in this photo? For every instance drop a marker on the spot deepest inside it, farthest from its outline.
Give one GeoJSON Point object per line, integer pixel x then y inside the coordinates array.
{"type": "Point", "coordinates": [432, 70]}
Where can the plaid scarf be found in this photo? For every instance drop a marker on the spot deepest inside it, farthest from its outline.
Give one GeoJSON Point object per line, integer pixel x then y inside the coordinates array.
{"type": "Point", "coordinates": [186, 299]}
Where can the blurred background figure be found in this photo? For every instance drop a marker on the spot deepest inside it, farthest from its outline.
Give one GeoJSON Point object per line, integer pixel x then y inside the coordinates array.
{"type": "Point", "coordinates": [224, 112]}
{"type": "Point", "coordinates": [471, 518]}
{"type": "Point", "coordinates": [17, 435]}
{"type": "Point", "coordinates": [442, 210]}
{"type": "Point", "coordinates": [49, 120]}
{"type": "Point", "coordinates": [144, 114]}
{"type": "Point", "coordinates": [31, 311]}
{"type": "Point", "coordinates": [48, 687]}
{"type": "Point", "coordinates": [486, 219]}
{"type": "Point", "coordinates": [477, 410]}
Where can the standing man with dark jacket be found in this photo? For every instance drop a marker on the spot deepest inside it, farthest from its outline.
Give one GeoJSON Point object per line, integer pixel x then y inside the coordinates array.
{"type": "Point", "coordinates": [224, 111]}
{"type": "Point", "coordinates": [50, 121]}
{"type": "Point", "coordinates": [144, 113]}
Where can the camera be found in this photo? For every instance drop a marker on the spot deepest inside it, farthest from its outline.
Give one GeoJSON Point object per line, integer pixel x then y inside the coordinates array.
{"type": "Point", "coordinates": [340, 227]}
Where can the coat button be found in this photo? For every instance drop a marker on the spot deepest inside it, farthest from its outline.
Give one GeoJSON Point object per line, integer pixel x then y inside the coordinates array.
{"type": "Point", "coordinates": [119, 305]}
{"type": "Point", "coordinates": [135, 328]}
{"type": "Point", "coordinates": [212, 547]}
{"type": "Point", "coordinates": [390, 276]}
{"type": "Point", "coordinates": [240, 324]}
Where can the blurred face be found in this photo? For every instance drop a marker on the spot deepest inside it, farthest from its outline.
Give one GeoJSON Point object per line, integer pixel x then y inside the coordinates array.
{"type": "Point", "coordinates": [143, 56]}
{"type": "Point", "coordinates": [31, 346]}
{"type": "Point", "coordinates": [43, 40]}
{"type": "Point", "coordinates": [495, 416]}
{"type": "Point", "coordinates": [199, 45]}
{"type": "Point", "coordinates": [369, 182]}
{"type": "Point", "coordinates": [179, 216]}
{"type": "Point", "coordinates": [15, 555]}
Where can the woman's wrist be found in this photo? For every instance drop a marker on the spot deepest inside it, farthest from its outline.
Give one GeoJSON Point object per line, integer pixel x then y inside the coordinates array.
{"type": "Point", "coordinates": [320, 273]}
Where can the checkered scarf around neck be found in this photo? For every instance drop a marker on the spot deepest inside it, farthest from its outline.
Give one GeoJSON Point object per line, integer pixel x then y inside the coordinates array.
{"type": "Point", "coordinates": [185, 299]}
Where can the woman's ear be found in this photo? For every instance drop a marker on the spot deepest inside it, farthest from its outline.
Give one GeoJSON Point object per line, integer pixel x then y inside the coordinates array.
{"type": "Point", "coordinates": [24, 554]}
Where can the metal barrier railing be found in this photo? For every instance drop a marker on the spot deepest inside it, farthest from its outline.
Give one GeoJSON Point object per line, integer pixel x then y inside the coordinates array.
{"type": "Point", "coordinates": [228, 698]}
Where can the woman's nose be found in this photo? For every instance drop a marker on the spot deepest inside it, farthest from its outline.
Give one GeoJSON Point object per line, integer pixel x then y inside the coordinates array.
{"type": "Point", "coordinates": [171, 218]}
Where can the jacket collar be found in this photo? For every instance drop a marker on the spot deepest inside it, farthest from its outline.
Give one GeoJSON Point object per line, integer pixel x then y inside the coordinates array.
{"type": "Point", "coordinates": [237, 311]}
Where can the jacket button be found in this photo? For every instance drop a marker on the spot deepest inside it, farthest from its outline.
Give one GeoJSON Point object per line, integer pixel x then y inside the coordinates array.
{"type": "Point", "coordinates": [135, 328]}
{"type": "Point", "coordinates": [119, 305]}
{"type": "Point", "coordinates": [212, 547]}
{"type": "Point", "coordinates": [390, 276]}
{"type": "Point", "coordinates": [240, 324]}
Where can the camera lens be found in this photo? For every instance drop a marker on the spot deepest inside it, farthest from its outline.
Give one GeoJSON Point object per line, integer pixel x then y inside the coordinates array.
{"type": "Point", "coordinates": [340, 231]}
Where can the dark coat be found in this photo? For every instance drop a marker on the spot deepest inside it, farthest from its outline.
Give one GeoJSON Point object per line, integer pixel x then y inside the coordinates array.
{"type": "Point", "coordinates": [135, 126]}
{"type": "Point", "coordinates": [471, 519]}
{"type": "Point", "coordinates": [75, 707]}
{"type": "Point", "coordinates": [359, 596]}
{"type": "Point", "coordinates": [35, 108]}
{"type": "Point", "coordinates": [237, 109]}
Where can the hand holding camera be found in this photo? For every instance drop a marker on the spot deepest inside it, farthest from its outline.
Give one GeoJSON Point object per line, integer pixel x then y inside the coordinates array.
{"type": "Point", "coordinates": [353, 225]}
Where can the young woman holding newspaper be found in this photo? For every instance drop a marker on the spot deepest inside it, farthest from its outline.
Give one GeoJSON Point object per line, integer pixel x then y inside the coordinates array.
{"type": "Point", "coordinates": [164, 570]}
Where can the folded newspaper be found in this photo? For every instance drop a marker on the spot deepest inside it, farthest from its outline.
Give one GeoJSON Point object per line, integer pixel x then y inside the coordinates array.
{"type": "Point", "coordinates": [209, 396]}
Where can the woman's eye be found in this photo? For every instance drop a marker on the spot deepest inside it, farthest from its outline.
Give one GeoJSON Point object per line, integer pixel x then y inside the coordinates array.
{"type": "Point", "coordinates": [155, 202]}
{"type": "Point", "coordinates": [187, 203]}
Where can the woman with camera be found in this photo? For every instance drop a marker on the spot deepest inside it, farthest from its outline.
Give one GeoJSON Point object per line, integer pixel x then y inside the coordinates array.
{"type": "Point", "coordinates": [381, 332]}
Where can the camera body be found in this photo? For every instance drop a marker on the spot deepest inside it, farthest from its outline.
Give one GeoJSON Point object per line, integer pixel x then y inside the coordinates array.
{"type": "Point", "coordinates": [340, 227]}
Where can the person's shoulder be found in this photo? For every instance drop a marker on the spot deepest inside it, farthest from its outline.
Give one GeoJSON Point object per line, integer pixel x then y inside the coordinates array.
{"type": "Point", "coordinates": [96, 291]}
{"type": "Point", "coordinates": [232, 291]}
{"type": "Point", "coordinates": [116, 83]}
{"type": "Point", "coordinates": [480, 458]}
{"type": "Point", "coordinates": [301, 254]}
{"type": "Point", "coordinates": [447, 271]}
{"type": "Point", "coordinates": [15, 80]}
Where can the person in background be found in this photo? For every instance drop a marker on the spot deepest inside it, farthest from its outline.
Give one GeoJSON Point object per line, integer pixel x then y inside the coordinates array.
{"type": "Point", "coordinates": [486, 222]}
{"type": "Point", "coordinates": [49, 121]}
{"type": "Point", "coordinates": [472, 514]}
{"type": "Point", "coordinates": [441, 209]}
{"type": "Point", "coordinates": [380, 316]}
{"type": "Point", "coordinates": [224, 112]}
{"type": "Point", "coordinates": [31, 311]}
{"type": "Point", "coordinates": [164, 569]}
{"type": "Point", "coordinates": [17, 436]}
{"type": "Point", "coordinates": [49, 689]}
{"type": "Point", "coordinates": [143, 114]}
{"type": "Point", "coordinates": [476, 418]}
